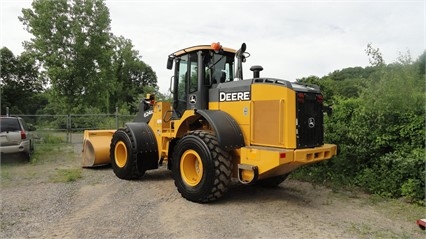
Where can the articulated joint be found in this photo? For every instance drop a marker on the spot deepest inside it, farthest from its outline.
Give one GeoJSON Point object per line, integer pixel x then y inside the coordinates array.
{"type": "Point", "coordinates": [250, 168]}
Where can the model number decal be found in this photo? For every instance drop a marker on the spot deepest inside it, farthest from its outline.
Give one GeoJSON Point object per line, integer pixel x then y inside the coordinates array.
{"type": "Point", "coordinates": [148, 113]}
{"type": "Point", "coordinates": [234, 96]}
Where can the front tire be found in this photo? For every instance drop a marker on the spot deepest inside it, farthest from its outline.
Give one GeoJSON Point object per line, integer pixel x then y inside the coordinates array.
{"type": "Point", "coordinates": [201, 168]}
{"type": "Point", "coordinates": [123, 155]}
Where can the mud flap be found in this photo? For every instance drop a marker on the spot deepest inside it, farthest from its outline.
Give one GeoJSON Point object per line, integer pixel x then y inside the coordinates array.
{"type": "Point", "coordinates": [227, 130]}
{"type": "Point", "coordinates": [146, 145]}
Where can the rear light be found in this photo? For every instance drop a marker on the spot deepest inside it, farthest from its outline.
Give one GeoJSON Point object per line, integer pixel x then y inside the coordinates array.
{"type": "Point", "coordinates": [300, 97]}
{"type": "Point", "coordinates": [320, 98]}
{"type": "Point", "coordinates": [23, 135]}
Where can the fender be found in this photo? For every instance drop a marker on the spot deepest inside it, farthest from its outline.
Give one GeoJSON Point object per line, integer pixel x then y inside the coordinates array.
{"type": "Point", "coordinates": [146, 145]}
{"type": "Point", "coordinates": [227, 130]}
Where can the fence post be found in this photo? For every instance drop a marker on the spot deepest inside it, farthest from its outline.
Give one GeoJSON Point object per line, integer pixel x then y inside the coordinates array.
{"type": "Point", "coordinates": [69, 128]}
{"type": "Point", "coordinates": [116, 117]}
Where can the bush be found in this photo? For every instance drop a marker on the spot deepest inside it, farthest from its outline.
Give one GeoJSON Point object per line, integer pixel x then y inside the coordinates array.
{"type": "Point", "coordinates": [380, 134]}
{"type": "Point", "coordinates": [52, 138]}
{"type": "Point", "coordinates": [395, 175]}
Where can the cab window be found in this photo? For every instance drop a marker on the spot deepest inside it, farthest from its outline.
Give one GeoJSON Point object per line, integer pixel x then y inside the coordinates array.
{"type": "Point", "coordinates": [188, 80]}
{"type": "Point", "coordinates": [220, 68]}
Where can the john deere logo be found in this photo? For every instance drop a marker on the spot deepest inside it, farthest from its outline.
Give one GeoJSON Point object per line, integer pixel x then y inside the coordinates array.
{"type": "Point", "coordinates": [193, 99]}
{"type": "Point", "coordinates": [234, 96]}
{"type": "Point", "coordinates": [311, 122]}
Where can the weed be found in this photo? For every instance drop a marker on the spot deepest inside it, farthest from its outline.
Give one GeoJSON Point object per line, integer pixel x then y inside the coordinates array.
{"type": "Point", "coordinates": [5, 173]}
{"type": "Point", "coordinates": [51, 138]}
{"type": "Point", "coordinates": [66, 175]}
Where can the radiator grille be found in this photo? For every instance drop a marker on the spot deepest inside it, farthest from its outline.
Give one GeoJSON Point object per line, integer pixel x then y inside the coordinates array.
{"type": "Point", "coordinates": [310, 128]}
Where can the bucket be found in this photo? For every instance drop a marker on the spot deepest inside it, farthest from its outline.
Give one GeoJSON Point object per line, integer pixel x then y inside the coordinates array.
{"type": "Point", "coordinates": [96, 145]}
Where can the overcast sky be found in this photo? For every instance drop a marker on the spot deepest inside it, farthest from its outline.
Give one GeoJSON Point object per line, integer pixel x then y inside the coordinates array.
{"type": "Point", "coordinates": [290, 39]}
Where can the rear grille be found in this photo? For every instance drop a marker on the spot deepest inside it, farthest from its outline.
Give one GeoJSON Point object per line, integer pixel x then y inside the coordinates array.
{"type": "Point", "coordinates": [310, 128]}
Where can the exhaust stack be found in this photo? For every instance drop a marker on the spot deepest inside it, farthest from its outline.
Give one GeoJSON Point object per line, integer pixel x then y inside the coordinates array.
{"type": "Point", "coordinates": [256, 71]}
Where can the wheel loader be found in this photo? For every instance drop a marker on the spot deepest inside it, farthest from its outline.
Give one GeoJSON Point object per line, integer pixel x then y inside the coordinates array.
{"type": "Point", "coordinates": [217, 128]}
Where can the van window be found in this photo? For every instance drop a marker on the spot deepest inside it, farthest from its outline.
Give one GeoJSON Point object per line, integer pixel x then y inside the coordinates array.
{"type": "Point", "coordinates": [9, 124]}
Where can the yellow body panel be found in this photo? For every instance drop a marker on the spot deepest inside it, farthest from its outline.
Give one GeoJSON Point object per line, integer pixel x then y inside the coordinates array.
{"type": "Point", "coordinates": [268, 123]}
{"type": "Point", "coordinates": [166, 129]}
{"type": "Point", "coordinates": [275, 161]}
{"type": "Point", "coordinates": [240, 111]}
{"type": "Point", "coordinates": [273, 116]}
{"type": "Point", "coordinates": [161, 124]}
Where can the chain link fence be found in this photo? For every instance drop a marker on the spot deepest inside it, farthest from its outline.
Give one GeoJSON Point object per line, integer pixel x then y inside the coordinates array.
{"type": "Point", "coordinates": [69, 128]}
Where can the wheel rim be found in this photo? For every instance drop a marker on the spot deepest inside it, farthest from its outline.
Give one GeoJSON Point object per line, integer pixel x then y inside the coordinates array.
{"type": "Point", "coordinates": [120, 154]}
{"type": "Point", "coordinates": [191, 167]}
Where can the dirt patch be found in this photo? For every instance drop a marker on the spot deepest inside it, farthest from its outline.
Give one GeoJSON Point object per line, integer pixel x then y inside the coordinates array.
{"type": "Point", "coordinates": [99, 205]}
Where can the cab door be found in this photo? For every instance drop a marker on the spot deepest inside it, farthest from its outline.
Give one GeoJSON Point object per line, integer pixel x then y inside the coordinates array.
{"type": "Point", "coordinates": [186, 85]}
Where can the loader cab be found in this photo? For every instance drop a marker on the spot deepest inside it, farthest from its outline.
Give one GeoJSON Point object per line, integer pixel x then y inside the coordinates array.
{"type": "Point", "coordinates": [196, 69]}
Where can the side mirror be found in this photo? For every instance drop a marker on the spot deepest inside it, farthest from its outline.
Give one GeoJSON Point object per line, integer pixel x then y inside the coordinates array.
{"type": "Point", "coordinates": [170, 63]}
{"type": "Point", "coordinates": [243, 48]}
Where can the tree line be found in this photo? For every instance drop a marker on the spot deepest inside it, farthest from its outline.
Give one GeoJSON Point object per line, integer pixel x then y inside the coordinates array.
{"type": "Point", "coordinates": [73, 63]}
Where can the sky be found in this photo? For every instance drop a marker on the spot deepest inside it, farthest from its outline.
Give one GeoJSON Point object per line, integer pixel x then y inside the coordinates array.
{"type": "Point", "coordinates": [289, 39]}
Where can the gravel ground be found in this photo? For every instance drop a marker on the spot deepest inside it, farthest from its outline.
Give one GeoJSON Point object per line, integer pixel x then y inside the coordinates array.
{"type": "Point", "coordinates": [99, 205]}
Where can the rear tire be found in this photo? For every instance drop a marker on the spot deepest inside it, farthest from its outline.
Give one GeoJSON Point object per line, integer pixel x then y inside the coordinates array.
{"type": "Point", "coordinates": [27, 155]}
{"type": "Point", "coordinates": [272, 182]}
{"type": "Point", "coordinates": [201, 168]}
{"type": "Point", "coordinates": [123, 155]}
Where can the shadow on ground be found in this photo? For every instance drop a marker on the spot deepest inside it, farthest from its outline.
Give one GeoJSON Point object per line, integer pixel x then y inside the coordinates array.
{"type": "Point", "coordinates": [10, 159]}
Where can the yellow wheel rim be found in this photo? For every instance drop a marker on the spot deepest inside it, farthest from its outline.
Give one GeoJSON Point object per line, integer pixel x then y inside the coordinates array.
{"type": "Point", "coordinates": [120, 154]}
{"type": "Point", "coordinates": [191, 168]}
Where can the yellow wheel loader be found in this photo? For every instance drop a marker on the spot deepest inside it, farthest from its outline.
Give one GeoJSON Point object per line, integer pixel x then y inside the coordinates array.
{"type": "Point", "coordinates": [218, 126]}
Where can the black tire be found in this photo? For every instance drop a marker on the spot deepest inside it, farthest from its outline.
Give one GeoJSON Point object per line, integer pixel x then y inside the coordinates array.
{"type": "Point", "coordinates": [272, 182]}
{"type": "Point", "coordinates": [208, 182]}
{"type": "Point", "coordinates": [123, 155]}
{"type": "Point", "coordinates": [27, 155]}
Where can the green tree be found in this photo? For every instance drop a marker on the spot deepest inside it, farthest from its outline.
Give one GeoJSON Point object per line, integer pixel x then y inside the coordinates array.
{"type": "Point", "coordinates": [376, 58]}
{"type": "Point", "coordinates": [21, 83]}
{"type": "Point", "coordinates": [133, 77]}
{"type": "Point", "coordinates": [71, 40]}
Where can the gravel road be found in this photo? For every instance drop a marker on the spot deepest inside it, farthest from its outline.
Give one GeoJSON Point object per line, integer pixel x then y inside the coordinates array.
{"type": "Point", "coordinates": [99, 205]}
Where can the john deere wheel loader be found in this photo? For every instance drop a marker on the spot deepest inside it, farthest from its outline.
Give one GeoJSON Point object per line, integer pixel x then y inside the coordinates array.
{"type": "Point", "coordinates": [219, 126]}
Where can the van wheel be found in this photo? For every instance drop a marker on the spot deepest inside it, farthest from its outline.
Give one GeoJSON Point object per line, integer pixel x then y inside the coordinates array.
{"type": "Point", "coordinates": [123, 155]}
{"type": "Point", "coordinates": [27, 155]}
{"type": "Point", "coordinates": [201, 169]}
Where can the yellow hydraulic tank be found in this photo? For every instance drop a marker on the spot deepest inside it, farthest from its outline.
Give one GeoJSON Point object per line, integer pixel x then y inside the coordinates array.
{"type": "Point", "coordinates": [96, 145]}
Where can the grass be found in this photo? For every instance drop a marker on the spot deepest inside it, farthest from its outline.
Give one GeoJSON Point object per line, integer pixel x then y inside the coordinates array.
{"type": "Point", "coordinates": [5, 173]}
{"type": "Point", "coordinates": [398, 209]}
{"type": "Point", "coordinates": [51, 137]}
{"type": "Point", "coordinates": [66, 175]}
{"type": "Point", "coordinates": [53, 160]}
{"type": "Point", "coordinates": [367, 231]}
{"type": "Point", "coordinates": [51, 152]}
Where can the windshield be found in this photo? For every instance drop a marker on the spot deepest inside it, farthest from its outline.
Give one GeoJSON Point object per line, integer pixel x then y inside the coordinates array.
{"type": "Point", "coordinates": [220, 68]}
